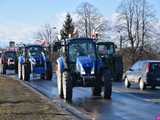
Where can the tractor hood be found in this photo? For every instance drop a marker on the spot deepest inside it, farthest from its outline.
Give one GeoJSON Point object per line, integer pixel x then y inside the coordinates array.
{"type": "Point", "coordinates": [37, 59]}
{"type": "Point", "coordinates": [85, 65]}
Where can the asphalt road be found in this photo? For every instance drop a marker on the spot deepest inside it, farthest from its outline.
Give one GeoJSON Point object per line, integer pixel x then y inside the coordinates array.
{"type": "Point", "coordinates": [126, 104]}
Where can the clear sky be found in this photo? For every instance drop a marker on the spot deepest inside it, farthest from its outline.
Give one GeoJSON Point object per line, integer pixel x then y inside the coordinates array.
{"type": "Point", "coordinates": [20, 18]}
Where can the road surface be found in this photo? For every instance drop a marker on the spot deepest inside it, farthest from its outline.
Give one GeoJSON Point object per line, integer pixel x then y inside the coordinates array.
{"type": "Point", "coordinates": [126, 104]}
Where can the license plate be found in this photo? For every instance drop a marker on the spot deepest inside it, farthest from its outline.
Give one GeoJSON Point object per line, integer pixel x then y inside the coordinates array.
{"type": "Point", "coordinates": [11, 63]}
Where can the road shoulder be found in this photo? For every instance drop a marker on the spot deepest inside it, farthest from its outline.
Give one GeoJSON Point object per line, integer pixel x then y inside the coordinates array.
{"type": "Point", "coordinates": [19, 102]}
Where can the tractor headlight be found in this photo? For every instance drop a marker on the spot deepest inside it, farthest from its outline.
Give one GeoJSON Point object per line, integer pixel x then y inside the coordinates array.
{"type": "Point", "coordinates": [82, 70]}
{"type": "Point", "coordinates": [92, 71]}
{"type": "Point", "coordinates": [33, 61]}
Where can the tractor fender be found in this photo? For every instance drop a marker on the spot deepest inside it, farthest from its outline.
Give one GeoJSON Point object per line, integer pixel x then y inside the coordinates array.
{"type": "Point", "coordinates": [21, 59]}
{"type": "Point", "coordinates": [46, 60]}
{"type": "Point", "coordinates": [32, 63]}
{"type": "Point", "coordinates": [99, 65]}
{"type": "Point", "coordinates": [44, 57]}
{"type": "Point", "coordinates": [61, 64]}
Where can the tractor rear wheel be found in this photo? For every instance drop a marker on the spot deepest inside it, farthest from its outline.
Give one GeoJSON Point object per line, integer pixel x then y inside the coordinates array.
{"type": "Point", "coordinates": [19, 71]}
{"type": "Point", "coordinates": [49, 71]}
{"type": "Point", "coordinates": [3, 69]}
{"type": "Point", "coordinates": [59, 82]}
{"type": "Point", "coordinates": [67, 86]}
{"type": "Point", "coordinates": [25, 72]}
{"type": "Point", "coordinates": [107, 78]}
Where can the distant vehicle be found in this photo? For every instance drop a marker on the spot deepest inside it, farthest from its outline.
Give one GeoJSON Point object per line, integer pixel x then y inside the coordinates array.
{"type": "Point", "coordinates": [33, 60]}
{"type": "Point", "coordinates": [0, 54]}
{"type": "Point", "coordinates": [107, 52]}
{"type": "Point", "coordinates": [8, 60]}
{"type": "Point", "coordinates": [145, 73]}
{"type": "Point", "coordinates": [79, 66]}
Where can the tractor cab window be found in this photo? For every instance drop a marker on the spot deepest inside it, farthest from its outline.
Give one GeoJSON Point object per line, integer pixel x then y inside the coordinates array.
{"type": "Point", "coordinates": [81, 49]}
{"type": "Point", "coordinates": [32, 51]}
{"type": "Point", "coordinates": [106, 50]}
{"type": "Point", "coordinates": [10, 54]}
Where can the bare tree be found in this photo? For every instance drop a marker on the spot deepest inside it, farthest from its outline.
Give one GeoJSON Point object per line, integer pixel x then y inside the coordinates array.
{"type": "Point", "coordinates": [90, 20]}
{"type": "Point", "coordinates": [136, 20]}
{"type": "Point", "coordinates": [48, 33]}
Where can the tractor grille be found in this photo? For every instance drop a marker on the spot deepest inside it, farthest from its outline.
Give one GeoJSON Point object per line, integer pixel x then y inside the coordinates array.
{"type": "Point", "coordinates": [40, 62]}
{"type": "Point", "coordinates": [39, 65]}
{"type": "Point", "coordinates": [88, 70]}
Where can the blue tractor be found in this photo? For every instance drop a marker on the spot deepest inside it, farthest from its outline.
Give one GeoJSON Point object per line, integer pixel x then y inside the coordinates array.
{"type": "Point", "coordinates": [80, 66]}
{"type": "Point", "coordinates": [33, 60]}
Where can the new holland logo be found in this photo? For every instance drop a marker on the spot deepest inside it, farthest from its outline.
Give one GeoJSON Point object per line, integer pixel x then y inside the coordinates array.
{"type": "Point", "coordinates": [87, 65]}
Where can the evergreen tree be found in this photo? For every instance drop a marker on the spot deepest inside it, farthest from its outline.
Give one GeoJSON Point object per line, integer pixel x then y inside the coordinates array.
{"type": "Point", "coordinates": [68, 27]}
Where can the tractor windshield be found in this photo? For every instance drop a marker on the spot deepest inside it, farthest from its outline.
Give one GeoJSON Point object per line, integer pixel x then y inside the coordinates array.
{"type": "Point", "coordinates": [33, 51]}
{"type": "Point", "coordinates": [81, 49]}
{"type": "Point", "coordinates": [106, 50]}
{"type": "Point", "coordinates": [10, 54]}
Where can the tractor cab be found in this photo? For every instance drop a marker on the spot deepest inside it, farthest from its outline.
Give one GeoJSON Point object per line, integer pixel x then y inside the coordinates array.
{"type": "Point", "coordinates": [107, 53]}
{"type": "Point", "coordinates": [82, 55]}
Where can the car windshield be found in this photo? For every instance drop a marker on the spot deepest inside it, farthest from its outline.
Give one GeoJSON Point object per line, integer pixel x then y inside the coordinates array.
{"type": "Point", "coordinates": [138, 66]}
{"type": "Point", "coordinates": [34, 50]}
{"type": "Point", "coordinates": [81, 49]}
{"type": "Point", "coordinates": [10, 54]}
{"type": "Point", "coordinates": [106, 49]}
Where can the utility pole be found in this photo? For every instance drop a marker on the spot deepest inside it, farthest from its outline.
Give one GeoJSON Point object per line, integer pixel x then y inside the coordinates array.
{"type": "Point", "coordinates": [54, 28]}
{"type": "Point", "coordinates": [121, 39]}
{"type": "Point", "coordinates": [86, 27]}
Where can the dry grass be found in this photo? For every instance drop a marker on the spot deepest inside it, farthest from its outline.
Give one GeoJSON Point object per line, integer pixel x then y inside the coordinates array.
{"type": "Point", "coordinates": [18, 102]}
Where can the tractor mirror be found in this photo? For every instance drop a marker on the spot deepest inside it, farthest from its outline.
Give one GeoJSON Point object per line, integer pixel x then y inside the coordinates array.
{"type": "Point", "coordinates": [57, 46]}
{"type": "Point", "coordinates": [116, 46]}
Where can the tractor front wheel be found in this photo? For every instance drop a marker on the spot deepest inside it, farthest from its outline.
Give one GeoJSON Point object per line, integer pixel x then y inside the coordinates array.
{"type": "Point", "coordinates": [3, 69]}
{"type": "Point", "coordinates": [67, 86]}
{"type": "Point", "coordinates": [96, 91]}
{"type": "Point", "coordinates": [59, 82]}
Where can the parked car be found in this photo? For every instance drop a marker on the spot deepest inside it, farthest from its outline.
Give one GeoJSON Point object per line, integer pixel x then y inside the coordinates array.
{"type": "Point", "coordinates": [8, 61]}
{"type": "Point", "coordinates": [145, 73]}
